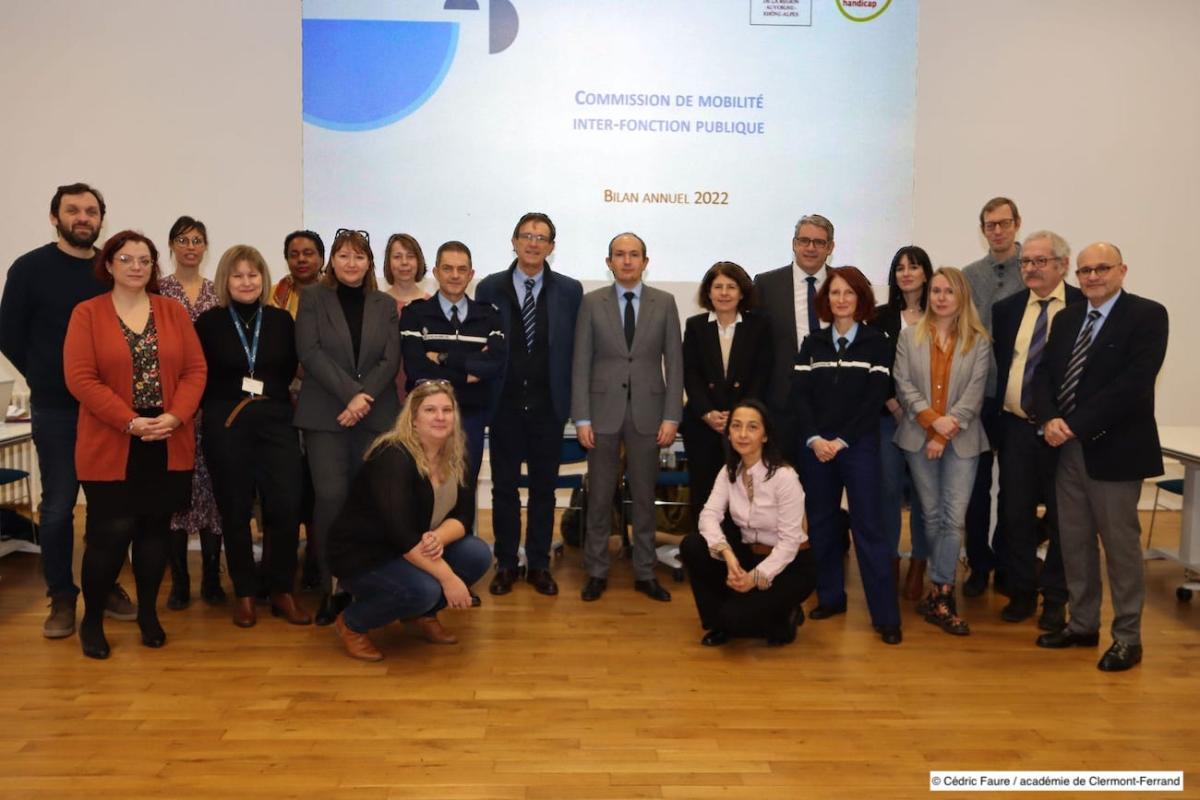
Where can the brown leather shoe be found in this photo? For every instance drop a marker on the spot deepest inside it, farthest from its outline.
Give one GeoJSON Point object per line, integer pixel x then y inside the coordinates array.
{"type": "Point", "coordinates": [284, 605]}
{"type": "Point", "coordinates": [244, 615]}
{"type": "Point", "coordinates": [433, 631]}
{"type": "Point", "coordinates": [358, 645]}
{"type": "Point", "coordinates": [914, 580]}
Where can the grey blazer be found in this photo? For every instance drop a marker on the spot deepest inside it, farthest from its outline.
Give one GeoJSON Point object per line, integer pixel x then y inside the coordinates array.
{"type": "Point", "coordinates": [968, 379]}
{"type": "Point", "coordinates": [331, 377]}
{"type": "Point", "coordinates": [606, 374]}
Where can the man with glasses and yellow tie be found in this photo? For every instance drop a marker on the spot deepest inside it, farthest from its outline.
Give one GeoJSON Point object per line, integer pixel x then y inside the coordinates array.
{"type": "Point", "coordinates": [1094, 392]}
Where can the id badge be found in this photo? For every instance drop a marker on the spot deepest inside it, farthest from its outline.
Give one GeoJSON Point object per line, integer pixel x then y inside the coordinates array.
{"type": "Point", "coordinates": [252, 386]}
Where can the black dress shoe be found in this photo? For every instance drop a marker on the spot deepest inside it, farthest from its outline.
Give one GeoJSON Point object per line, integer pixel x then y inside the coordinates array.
{"type": "Point", "coordinates": [653, 589]}
{"type": "Point", "coordinates": [715, 638]}
{"type": "Point", "coordinates": [825, 612]}
{"type": "Point", "coordinates": [890, 634]}
{"type": "Point", "coordinates": [502, 581]}
{"type": "Point", "coordinates": [976, 584]}
{"type": "Point", "coordinates": [542, 582]}
{"type": "Point", "coordinates": [331, 606]}
{"type": "Point", "coordinates": [154, 637]}
{"type": "Point", "coordinates": [93, 642]}
{"type": "Point", "coordinates": [1019, 609]}
{"type": "Point", "coordinates": [593, 589]}
{"type": "Point", "coordinates": [1120, 657]}
{"type": "Point", "coordinates": [1068, 638]}
{"type": "Point", "coordinates": [1053, 618]}
{"type": "Point", "coordinates": [787, 632]}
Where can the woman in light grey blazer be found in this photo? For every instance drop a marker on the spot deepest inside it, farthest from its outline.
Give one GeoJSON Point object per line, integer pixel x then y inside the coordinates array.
{"type": "Point", "coordinates": [941, 371]}
{"type": "Point", "coordinates": [348, 340]}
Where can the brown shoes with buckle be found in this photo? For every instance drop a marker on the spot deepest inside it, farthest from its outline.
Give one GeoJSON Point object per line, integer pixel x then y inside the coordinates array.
{"type": "Point", "coordinates": [358, 645]}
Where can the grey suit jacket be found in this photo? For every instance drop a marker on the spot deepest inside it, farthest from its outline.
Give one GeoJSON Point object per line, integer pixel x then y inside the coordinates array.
{"type": "Point", "coordinates": [331, 376]}
{"type": "Point", "coordinates": [968, 379]}
{"type": "Point", "coordinates": [606, 374]}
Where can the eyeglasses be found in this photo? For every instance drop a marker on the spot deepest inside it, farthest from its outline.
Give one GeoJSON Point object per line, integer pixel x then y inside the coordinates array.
{"type": "Point", "coordinates": [533, 237]}
{"type": "Point", "coordinates": [1100, 270]}
{"type": "Point", "coordinates": [442, 382]}
{"type": "Point", "coordinates": [999, 224]}
{"type": "Point", "coordinates": [184, 241]}
{"type": "Point", "coordinates": [126, 260]}
{"type": "Point", "coordinates": [1039, 261]}
{"type": "Point", "coordinates": [804, 241]}
{"type": "Point", "coordinates": [348, 231]}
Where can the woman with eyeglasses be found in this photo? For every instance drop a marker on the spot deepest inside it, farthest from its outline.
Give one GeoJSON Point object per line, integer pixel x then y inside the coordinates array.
{"type": "Point", "coordinates": [941, 374]}
{"type": "Point", "coordinates": [348, 340]}
{"type": "Point", "coordinates": [188, 246]}
{"type": "Point", "coordinates": [251, 444]}
{"type": "Point", "coordinates": [404, 269]}
{"type": "Point", "coordinates": [403, 543]}
{"type": "Point", "coordinates": [133, 361]}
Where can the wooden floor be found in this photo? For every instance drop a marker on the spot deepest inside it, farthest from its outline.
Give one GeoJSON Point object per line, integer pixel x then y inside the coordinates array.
{"type": "Point", "coordinates": [555, 698]}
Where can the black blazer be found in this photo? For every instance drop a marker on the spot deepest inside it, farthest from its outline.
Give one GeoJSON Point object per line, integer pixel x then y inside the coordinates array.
{"type": "Point", "coordinates": [1006, 320]}
{"type": "Point", "coordinates": [887, 319]}
{"type": "Point", "coordinates": [776, 299]}
{"type": "Point", "coordinates": [1114, 412]}
{"type": "Point", "coordinates": [708, 387]}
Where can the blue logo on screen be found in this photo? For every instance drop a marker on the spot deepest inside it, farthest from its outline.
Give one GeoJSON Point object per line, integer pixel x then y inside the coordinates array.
{"type": "Point", "coordinates": [362, 74]}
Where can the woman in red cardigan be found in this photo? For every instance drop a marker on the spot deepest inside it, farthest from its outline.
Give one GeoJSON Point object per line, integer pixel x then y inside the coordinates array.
{"type": "Point", "coordinates": [133, 361]}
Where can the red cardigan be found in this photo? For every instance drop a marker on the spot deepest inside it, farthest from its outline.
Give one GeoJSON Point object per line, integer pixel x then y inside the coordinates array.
{"type": "Point", "coordinates": [99, 372]}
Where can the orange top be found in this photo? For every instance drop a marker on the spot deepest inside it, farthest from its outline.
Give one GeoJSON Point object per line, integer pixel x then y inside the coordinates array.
{"type": "Point", "coordinates": [99, 372]}
{"type": "Point", "coordinates": [939, 385]}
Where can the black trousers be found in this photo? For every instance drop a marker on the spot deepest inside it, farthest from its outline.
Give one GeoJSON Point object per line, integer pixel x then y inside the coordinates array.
{"type": "Point", "coordinates": [982, 556]}
{"type": "Point", "coordinates": [756, 613]}
{"type": "Point", "coordinates": [705, 457]}
{"type": "Point", "coordinates": [514, 437]}
{"type": "Point", "coordinates": [259, 452]}
{"type": "Point", "coordinates": [1027, 469]}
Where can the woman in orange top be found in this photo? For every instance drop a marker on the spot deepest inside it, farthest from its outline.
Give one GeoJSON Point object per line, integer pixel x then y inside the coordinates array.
{"type": "Point", "coordinates": [133, 361]}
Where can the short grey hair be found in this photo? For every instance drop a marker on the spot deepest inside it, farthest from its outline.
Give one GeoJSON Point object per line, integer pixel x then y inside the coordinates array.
{"type": "Point", "coordinates": [1058, 244]}
{"type": "Point", "coordinates": [819, 221]}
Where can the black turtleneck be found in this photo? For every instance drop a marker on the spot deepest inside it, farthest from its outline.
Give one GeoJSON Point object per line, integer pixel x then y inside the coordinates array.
{"type": "Point", "coordinates": [275, 364]}
{"type": "Point", "coordinates": [352, 299]}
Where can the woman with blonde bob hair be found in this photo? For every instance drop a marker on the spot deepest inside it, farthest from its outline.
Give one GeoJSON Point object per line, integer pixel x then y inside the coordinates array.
{"type": "Point", "coordinates": [402, 544]}
{"type": "Point", "coordinates": [941, 371]}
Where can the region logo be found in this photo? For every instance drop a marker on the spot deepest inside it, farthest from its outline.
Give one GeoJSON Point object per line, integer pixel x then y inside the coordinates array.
{"type": "Point", "coordinates": [363, 74]}
{"type": "Point", "coordinates": [862, 10]}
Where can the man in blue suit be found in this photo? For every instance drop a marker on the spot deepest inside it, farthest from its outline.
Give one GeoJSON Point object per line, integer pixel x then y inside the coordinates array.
{"type": "Point", "coordinates": [538, 308]}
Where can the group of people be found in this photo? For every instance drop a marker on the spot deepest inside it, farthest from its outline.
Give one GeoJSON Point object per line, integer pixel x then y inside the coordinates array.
{"type": "Point", "coordinates": [178, 403]}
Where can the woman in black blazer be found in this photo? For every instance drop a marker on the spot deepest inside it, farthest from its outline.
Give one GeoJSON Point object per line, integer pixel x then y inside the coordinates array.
{"type": "Point", "coordinates": [727, 354]}
{"type": "Point", "coordinates": [348, 340]}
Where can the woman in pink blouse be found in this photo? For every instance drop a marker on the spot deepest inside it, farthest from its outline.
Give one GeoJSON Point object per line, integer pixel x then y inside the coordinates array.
{"type": "Point", "coordinates": [750, 577]}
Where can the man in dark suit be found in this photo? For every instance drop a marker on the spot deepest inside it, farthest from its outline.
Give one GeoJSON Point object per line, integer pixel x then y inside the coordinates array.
{"type": "Point", "coordinates": [788, 297]}
{"type": "Point", "coordinates": [626, 388]}
{"type": "Point", "coordinates": [538, 308]}
{"type": "Point", "coordinates": [1094, 388]}
{"type": "Point", "coordinates": [1020, 326]}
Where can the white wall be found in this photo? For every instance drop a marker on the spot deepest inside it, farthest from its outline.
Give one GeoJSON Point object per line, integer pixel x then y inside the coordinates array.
{"type": "Point", "coordinates": [1084, 111]}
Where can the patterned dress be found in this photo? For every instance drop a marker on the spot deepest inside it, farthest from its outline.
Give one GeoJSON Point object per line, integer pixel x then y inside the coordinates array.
{"type": "Point", "coordinates": [203, 514]}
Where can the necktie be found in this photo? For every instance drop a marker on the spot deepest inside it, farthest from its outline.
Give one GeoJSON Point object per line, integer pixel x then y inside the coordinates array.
{"type": "Point", "coordinates": [842, 344]}
{"type": "Point", "coordinates": [813, 323]}
{"type": "Point", "coordinates": [1037, 343]}
{"type": "Point", "coordinates": [629, 320]}
{"type": "Point", "coordinates": [454, 317]}
{"type": "Point", "coordinates": [1066, 394]}
{"type": "Point", "coordinates": [527, 315]}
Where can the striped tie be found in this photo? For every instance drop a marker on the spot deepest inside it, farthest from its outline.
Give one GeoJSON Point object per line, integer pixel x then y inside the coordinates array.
{"type": "Point", "coordinates": [1037, 343]}
{"type": "Point", "coordinates": [528, 318]}
{"type": "Point", "coordinates": [1066, 394]}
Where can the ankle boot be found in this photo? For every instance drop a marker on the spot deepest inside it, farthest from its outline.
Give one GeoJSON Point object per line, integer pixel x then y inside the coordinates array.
{"type": "Point", "coordinates": [181, 591]}
{"type": "Point", "coordinates": [210, 566]}
{"type": "Point", "coordinates": [914, 579]}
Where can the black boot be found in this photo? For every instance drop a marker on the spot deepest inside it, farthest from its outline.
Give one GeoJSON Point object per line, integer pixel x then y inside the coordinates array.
{"type": "Point", "coordinates": [181, 591]}
{"type": "Point", "coordinates": [210, 565]}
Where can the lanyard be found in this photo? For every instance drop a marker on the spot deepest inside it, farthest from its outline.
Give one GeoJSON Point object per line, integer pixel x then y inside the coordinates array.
{"type": "Point", "coordinates": [252, 347]}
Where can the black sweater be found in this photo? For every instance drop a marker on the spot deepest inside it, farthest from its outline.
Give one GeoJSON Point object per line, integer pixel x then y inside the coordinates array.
{"type": "Point", "coordinates": [275, 364]}
{"type": "Point", "coordinates": [840, 398]}
{"type": "Point", "coordinates": [386, 512]}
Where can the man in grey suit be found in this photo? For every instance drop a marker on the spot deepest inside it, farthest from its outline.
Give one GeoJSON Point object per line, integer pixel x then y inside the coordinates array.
{"type": "Point", "coordinates": [627, 337]}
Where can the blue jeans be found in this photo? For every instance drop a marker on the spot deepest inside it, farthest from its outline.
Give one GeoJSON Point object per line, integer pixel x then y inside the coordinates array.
{"type": "Point", "coordinates": [944, 487]}
{"type": "Point", "coordinates": [895, 482]}
{"type": "Point", "coordinates": [400, 590]}
{"type": "Point", "coordinates": [54, 438]}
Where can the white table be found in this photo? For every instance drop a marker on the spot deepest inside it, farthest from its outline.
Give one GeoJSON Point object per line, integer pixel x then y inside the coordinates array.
{"type": "Point", "coordinates": [13, 433]}
{"type": "Point", "coordinates": [1183, 443]}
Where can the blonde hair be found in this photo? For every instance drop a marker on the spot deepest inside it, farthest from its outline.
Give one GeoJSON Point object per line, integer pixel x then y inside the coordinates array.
{"type": "Point", "coordinates": [229, 260]}
{"type": "Point", "coordinates": [454, 452]}
{"type": "Point", "coordinates": [967, 327]}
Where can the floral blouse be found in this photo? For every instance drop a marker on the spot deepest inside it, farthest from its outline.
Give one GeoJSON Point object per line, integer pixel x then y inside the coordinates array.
{"type": "Point", "coordinates": [147, 383]}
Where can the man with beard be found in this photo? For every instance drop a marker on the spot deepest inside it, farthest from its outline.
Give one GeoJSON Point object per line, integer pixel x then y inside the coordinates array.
{"type": "Point", "coordinates": [42, 289]}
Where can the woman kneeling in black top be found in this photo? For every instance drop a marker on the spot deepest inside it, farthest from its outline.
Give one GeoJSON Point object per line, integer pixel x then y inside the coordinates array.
{"type": "Point", "coordinates": [402, 543]}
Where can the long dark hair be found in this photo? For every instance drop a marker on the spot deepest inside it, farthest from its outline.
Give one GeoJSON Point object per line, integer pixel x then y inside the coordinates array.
{"type": "Point", "coordinates": [772, 456]}
{"type": "Point", "coordinates": [916, 255]}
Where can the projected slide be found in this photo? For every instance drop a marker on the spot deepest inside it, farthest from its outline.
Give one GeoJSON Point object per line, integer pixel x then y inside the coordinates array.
{"type": "Point", "coordinates": [707, 126]}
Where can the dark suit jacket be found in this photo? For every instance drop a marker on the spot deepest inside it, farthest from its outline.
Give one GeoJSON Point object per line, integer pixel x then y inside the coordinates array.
{"type": "Point", "coordinates": [1006, 320]}
{"type": "Point", "coordinates": [775, 290]}
{"type": "Point", "coordinates": [1114, 413]}
{"type": "Point", "coordinates": [707, 384]}
{"type": "Point", "coordinates": [563, 296]}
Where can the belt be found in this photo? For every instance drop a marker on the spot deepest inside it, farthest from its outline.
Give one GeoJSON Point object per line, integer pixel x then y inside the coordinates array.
{"type": "Point", "coordinates": [760, 549]}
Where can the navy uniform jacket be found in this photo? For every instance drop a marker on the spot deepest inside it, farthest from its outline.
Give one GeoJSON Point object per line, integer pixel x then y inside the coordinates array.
{"type": "Point", "coordinates": [476, 348]}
